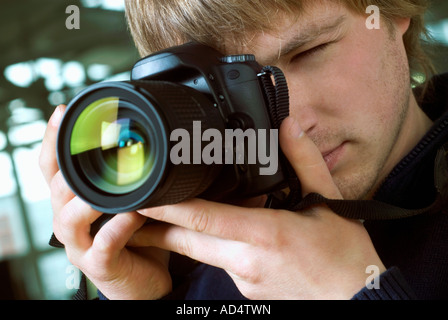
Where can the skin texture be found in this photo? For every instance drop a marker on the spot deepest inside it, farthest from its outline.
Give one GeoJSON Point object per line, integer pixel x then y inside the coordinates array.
{"type": "Point", "coordinates": [353, 117]}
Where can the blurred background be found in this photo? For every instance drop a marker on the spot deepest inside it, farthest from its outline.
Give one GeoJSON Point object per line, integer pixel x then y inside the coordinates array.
{"type": "Point", "coordinates": [44, 63]}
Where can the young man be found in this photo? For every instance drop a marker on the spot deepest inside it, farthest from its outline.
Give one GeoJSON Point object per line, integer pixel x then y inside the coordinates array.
{"type": "Point", "coordinates": [356, 131]}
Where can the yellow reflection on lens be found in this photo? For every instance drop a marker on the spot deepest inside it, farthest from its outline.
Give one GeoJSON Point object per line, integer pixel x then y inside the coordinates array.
{"type": "Point", "coordinates": [131, 162]}
{"type": "Point", "coordinates": [110, 135]}
{"type": "Point", "coordinates": [87, 131]}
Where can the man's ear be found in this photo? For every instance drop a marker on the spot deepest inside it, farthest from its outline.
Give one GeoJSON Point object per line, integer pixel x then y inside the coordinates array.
{"type": "Point", "coordinates": [402, 25]}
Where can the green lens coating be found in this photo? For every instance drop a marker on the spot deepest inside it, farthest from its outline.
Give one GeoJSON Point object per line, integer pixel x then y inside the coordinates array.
{"type": "Point", "coordinates": [112, 146]}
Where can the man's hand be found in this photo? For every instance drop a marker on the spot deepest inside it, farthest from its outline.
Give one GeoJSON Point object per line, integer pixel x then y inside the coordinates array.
{"type": "Point", "coordinates": [272, 254]}
{"type": "Point", "coordinates": [119, 272]}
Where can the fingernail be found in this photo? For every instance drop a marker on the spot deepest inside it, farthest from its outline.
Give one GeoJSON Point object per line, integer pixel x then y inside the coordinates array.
{"type": "Point", "coordinates": [141, 211]}
{"type": "Point", "coordinates": [294, 128]}
{"type": "Point", "coordinates": [56, 117]}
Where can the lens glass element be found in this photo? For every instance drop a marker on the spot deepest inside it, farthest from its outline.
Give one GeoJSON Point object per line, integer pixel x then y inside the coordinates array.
{"type": "Point", "coordinates": [111, 145]}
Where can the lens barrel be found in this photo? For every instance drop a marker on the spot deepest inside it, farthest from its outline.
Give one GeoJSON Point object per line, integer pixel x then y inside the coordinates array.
{"type": "Point", "coordinates": [114, 144]}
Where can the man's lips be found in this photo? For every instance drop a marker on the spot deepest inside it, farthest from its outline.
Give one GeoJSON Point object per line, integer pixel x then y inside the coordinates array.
{"type": "Point", "coordinates": [332, 156]}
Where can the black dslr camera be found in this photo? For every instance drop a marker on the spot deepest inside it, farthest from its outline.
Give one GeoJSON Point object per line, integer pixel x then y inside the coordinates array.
{"type": "Point", "coordinates": [190, 123]}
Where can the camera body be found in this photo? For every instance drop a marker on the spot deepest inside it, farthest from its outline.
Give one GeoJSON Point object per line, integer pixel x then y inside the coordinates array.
{"type": "Point", "coordinates": [172, 89]}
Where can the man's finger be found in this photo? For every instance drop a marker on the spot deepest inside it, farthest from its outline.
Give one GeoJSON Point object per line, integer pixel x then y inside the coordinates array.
{"type": "Point", "coordinates": [61, 193]}
{"type": "Point", "coordinates": [47, 157]}
{"type": "Point", "coordinates": [115, 233]}
{"type": "Point", "coordinates": [212, 218]}
{"type": "Point", "coordinates": [72, 224]}
{"type": "Point", "coordinates": [306, 160]}
{"type": "Point", "coordinates": [202, 247]}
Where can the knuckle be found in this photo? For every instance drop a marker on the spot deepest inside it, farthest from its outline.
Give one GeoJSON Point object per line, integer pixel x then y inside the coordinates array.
{"type": "Point", "coordinates": [199, 219]}
{"type": "Point", "coordinates": [42, 161]}
{"type": "Point", "coordinates": [184, 246]}
{"type": "Point", "coordinates": [45, 159]}
{"type": "Point", "coordinates": [104, 243]}
{"type": "Point", "coordinates": [248, 269]}
{"type": "Point", "coordinates": [73, 257]}
{"type": "Point", "coordinates": [58, 186]}
{"type": "Point", "coordinates": [267, 233]}
{"type": "Point", "coordinates": [64, 220]}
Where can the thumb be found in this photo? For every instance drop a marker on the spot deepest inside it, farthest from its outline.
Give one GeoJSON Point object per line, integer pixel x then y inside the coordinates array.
{"type": "Point", "coordinates": [307, 161]}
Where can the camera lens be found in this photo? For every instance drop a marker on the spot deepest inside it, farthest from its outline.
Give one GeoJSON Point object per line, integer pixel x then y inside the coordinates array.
{"type": "Point", "coordinates": [114, 144]}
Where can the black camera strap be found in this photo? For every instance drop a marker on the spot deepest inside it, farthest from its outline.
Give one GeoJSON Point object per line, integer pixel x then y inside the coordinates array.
{"type": "Point", "coordinates": [376, 210]}
{"type": "Point", "coordinates": [278, 98]}
{"type": "Point", "coordinates": [277, 95]}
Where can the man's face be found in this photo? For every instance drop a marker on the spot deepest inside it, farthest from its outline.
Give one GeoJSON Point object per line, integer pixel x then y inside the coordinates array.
{"type": "Point", "coordinates": [350, 91]}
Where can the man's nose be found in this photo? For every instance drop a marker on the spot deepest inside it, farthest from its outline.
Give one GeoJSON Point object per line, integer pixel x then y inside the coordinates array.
{"type": "Point", "coordinates": [304, 112]}
{"type": "Point", "coordinates": [304, 100]}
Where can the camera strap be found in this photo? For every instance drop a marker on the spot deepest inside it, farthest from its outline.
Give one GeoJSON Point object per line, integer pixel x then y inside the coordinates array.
{"type": "Point", "coordinates": [278, 98]}
{"type": "Point", "coordinates": [376, 210]}
{"type": "Point", "coordinates": [277, 95]}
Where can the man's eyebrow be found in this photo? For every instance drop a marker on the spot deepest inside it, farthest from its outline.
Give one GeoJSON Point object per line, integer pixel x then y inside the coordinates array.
{"type": "Point", "coordinates": [305, 37]}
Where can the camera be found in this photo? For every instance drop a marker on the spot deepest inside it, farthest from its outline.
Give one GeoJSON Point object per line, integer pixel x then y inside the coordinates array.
{"type": "Point", "coordinates": [161, 137]}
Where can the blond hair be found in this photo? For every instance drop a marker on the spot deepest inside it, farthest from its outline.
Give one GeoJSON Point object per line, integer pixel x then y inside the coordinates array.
{"type": "Point", "coordinates": [156, 24]}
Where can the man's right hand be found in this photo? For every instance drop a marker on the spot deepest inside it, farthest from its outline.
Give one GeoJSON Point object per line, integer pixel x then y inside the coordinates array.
{"type": "Point", "coordinates": [117, 271]}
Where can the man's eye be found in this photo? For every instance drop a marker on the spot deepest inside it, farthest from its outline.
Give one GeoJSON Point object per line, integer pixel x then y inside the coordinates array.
{"type": "Point", "coordinates": [311, 52]}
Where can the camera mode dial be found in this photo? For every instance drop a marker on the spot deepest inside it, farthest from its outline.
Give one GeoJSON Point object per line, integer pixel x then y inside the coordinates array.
{"type": "Point", "coordinates": [238, 58]}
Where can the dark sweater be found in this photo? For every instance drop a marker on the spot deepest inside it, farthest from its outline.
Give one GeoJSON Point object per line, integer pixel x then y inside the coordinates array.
{"type": "Point", "coordinates": [415, 250]}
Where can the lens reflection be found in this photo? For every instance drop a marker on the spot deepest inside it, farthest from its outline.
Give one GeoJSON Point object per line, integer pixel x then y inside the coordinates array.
{"type": "Point", "coordinates": [111, 146]}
